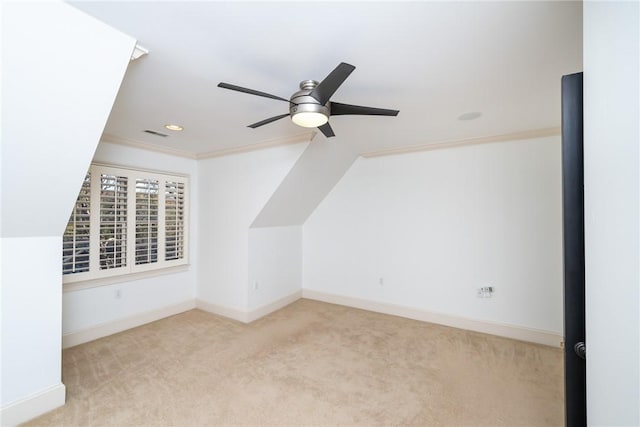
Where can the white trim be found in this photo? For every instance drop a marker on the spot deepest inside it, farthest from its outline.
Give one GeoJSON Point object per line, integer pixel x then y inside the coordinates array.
{"type": "Point", "coordinates": [128, 277]}
{"type": "Point", "coordinates": [143, 170]}
{"type": "Point", "coordinates": [33, 406]}
{"type": "Point", "coordinates": [275, 142]}
{"type": "Point", "coordinates": [248, 316]}
{"type": "Point", "coordinates": [230, 313]}
{"type": "Point", "coordinates": [308, 136]}
{"type": "Point", "coordinates": [516, 136]}
{"type": "Point", "coordinates": [262, 311]}
{"type": "Point", "coordinates": [74, 338]}
{"type": "Point", "coordinates": [521, 333]}
{"type": "Point", "coordinates": [270, 143]}
{"type": "Point", "coordinates": [128, 142]}
{"type": "Point", "coordinates": [138, 51]}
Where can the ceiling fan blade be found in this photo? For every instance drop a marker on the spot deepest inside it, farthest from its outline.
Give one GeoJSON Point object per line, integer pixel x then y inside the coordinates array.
{"type": "Point", "coordinates": [331, 83]}
{"type": "Point", "coordinates": [326, 130]}
{"type": "Point", "coordinates": [338, 109]}
{"type": "Point", "coordinates": [267, 121]}
{"type": "Point", "coordinates": [250, 91]}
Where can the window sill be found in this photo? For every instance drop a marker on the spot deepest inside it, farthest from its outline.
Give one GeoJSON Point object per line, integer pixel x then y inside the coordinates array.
{"type": "Point", "coordinates": [94, 283]}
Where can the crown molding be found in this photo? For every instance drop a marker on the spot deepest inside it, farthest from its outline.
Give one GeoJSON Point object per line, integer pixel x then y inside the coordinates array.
{"type": "Point", "coordinates": [270, 143]}
{"type": "Point", "coordinates": [535, 133]}
{"type": "Point", "coordinates": [308, 137]}
{"type": "Point", "coordinates": [112, 139]}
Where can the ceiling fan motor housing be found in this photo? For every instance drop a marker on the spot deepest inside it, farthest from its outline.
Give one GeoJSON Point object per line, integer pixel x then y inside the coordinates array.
{"type": "Point", "coordinates": [301, 102]}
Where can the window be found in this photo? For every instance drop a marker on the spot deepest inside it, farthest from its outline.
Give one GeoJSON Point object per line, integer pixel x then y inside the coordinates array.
{"type": "Point", "coordinates": [174, 220]}
{"type": "Point", "coordinates": [125, 221]}
{"type": "Point", "coordinates": [147, 221]}
{"type": "Point", "coordinates": [75, 242]}
{"type": "Point", "coordinates": [113, 221]}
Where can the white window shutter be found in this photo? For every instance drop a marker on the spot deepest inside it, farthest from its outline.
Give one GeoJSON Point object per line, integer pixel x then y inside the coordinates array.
{"type": "Point", "coordinates": [147, 193]}
{"type": "Point", "coordinates": [75, 241]}
{"type": "Point", "coordinates": [113, 221]}
{"type": "Point", "coordinates": [126, 221]}
{"type": "Point", "coordinates": [174, 220]}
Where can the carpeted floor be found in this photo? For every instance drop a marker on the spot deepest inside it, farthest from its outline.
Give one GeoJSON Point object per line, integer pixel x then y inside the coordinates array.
{"type": "Point", "coordinates": [310, 363]}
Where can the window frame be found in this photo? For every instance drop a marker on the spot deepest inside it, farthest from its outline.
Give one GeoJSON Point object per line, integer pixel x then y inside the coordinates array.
{"type": "Point", "coordinates": [97, 276]}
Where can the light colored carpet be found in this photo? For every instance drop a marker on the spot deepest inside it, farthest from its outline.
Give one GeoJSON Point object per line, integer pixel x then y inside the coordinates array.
{"type": "Point", "coordinates": [310, 363]}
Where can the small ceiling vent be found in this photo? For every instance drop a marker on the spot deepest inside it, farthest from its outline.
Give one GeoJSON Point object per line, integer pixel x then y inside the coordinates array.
{"type": "Point", "coordinates": [153, 132]}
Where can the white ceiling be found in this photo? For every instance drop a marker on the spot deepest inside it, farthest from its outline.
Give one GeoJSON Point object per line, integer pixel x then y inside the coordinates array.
{"type": "Point", "coordinates": [433, 61]}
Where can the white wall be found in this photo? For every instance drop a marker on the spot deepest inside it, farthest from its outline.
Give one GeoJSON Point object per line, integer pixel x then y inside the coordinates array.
{"type": "Point", "coordinates": [317, 171]}
{"type": "Point", "coordinates": [275, 264]}
{"type": "Point", "coordinates": [612, 216]}
{"type": "Point", "coordinates": [61, 71]}
{"type": "Point", "coordinates": [88, 308]}
{"type": "Point", "coordinates": [232, 191]}
{"type": "Point", "coordinates": [434, 226]}
{"type": "Point", "coordinates": [31, 354]}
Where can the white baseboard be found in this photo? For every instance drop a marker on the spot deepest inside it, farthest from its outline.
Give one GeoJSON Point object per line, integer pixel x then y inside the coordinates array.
{"type": "Point", "coordinates": [33, 406]}
{"type": "Point", "coordinates": [262, 311]}
{"type": "Point", "coordinates": [230, 313]}
{"type": "Point", "coordinates": [537, 336]}
{"type": "Point", "coordinates": [248, 316]}
{"type": "Point", "coordinates": [74, 338]}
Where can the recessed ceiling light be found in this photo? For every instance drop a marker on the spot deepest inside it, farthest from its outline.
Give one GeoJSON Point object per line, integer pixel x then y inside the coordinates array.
{"type": "Point", "coordinates": [176, 128]}
{"type": "Point", "coordinates": [470, 116]}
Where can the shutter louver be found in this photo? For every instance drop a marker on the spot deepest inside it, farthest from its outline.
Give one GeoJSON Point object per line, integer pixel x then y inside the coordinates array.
{"type": "Point", "coordinates": [125, 222]}
{"type": "Point", "coordinates": [113, 221]}
{"type": "Point", "coordinates": [75, 241]}
{"type": "Point", "coordinates": [174, 220]}
{"type": "Point", "coordinates": [147, 191]}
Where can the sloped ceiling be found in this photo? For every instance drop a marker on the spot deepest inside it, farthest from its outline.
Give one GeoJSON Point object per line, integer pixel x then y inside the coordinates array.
{"type": "Point", "coordinates": [434, 61]}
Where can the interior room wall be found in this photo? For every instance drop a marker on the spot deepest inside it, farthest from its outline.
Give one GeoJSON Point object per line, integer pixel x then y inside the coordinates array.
{"type": "Point", "coordinates": [426, 230]}
{"type": "Point", "coordinates": [55, 104]}
{"type": "Point", "coordinates": [31, 307]}
{"type": "Point", "coordinates": [612, 214]}
{"type": "Point", "coordinates": [61, 71]}
{"type": "Point", "coordinates": [275, 264]}
{"type": "Point", "coordinates": [232, 191]}
{"type": "Point", "coordinates": [316, 172]}
{"type": "Point", "coordinates": [88, 308]}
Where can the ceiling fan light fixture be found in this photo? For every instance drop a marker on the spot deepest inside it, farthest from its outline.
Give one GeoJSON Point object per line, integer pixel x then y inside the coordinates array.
{"type": "Point", "coordinates": [305, 111]}
{"type": "Point", "coordinates": [309, 119]}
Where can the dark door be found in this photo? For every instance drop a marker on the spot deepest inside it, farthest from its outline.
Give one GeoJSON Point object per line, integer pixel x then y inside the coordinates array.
{"type": "Point", "coordinates": [573, 222]}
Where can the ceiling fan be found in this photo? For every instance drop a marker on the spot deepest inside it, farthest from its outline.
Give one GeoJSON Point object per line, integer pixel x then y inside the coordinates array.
{"type": "Point", "coordinates": [311, 106]}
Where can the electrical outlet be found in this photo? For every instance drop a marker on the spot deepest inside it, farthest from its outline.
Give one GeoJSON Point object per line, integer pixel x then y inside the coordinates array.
{"type": "Point", "coordinates": [381, 281]}
{"type": "Point", "coordinates": [118, 293]}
